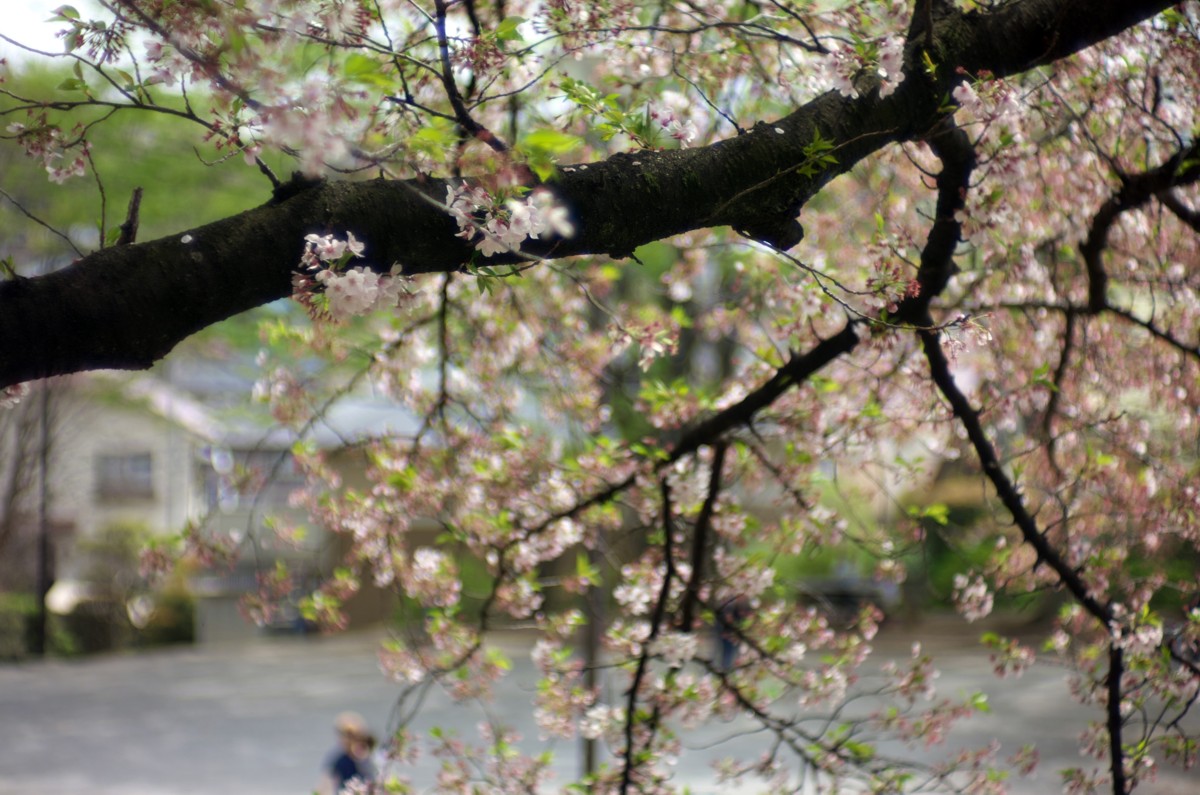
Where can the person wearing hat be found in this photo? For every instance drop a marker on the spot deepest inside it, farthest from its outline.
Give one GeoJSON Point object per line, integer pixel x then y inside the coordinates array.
{"type": "Point", "coordinates": [351, 759]}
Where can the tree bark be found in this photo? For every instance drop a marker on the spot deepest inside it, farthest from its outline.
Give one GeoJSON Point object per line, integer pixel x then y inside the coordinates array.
{"type": "Point", "coordinates": [127, 306]}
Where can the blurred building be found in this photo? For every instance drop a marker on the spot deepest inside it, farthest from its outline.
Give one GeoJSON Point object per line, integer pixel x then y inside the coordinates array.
{"type": "Point", "coordinates": [170, 451]}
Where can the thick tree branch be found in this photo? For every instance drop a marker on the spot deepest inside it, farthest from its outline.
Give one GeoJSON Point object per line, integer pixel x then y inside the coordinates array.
{"type": "Point", "coordinates": [1116, 722]}
{"type": "Point", "coordinates": [1022, 35]}
{"type": "Point", "coordinates": [937, 267]}
{"type": "Point", "coordinates": [126, 307]}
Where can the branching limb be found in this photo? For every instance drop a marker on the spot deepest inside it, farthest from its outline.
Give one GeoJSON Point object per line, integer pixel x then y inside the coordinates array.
{"type": "Point", "coordinates": [461, 114]}
{"type": "Point", "coordinates": [796, 371]}
{"type": "Point", "coordinates": [1189, 349]}
{"type": "Point", "coordinates": [1060, 372]}
{"type": "Point", "coordinates": [953, 147]}
{"type": "Point", "coordinates": [1184, 213]}
{"type": "Point", "coordinates": [939, 369]}
{"type": "Point", "coordinates": [700, 539]}
{"type": "Point", "coordinates": [1182, 168]}
{"type": "Point", "coordinates": [656, 621]}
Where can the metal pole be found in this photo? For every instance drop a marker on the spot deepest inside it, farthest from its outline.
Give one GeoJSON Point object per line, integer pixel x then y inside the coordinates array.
{"type": "Point", "coordinates": [43, 548]}
{"type": "Point", "coordinates": [595, 599]}
{"type": "Point", "coordinates": [591, 643]}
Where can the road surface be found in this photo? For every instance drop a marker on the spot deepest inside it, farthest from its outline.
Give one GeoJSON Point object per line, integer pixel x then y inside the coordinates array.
{"type": "Point", "coordinates": [257, 719]}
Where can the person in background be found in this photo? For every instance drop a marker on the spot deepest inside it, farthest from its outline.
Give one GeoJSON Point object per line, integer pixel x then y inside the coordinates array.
{"type": "Point", "coordinates": [729, 619]}
{"type": "Point", "coordinates": [351, 759]}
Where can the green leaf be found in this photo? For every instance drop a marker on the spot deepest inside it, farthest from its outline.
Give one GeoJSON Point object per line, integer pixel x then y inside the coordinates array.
{"type": "Point", "coordinates": [507, 29]}
{"type": "Point", "coordinates": [499, 659]}
{"type": "Point", "coordinates": [584, 568]}
{"type": "Point", "coordinates": [938, 512]}
{"type": "Point", "coordinates": [126, 79]}
{"type": "Point", "coordinates": [64, 14]}
{"type": "Point", "coordinates": [72, 84]}
{"type": "Point", "coordinates": [825, 385]}
{"type": "Point", "coordinates": [1040, 378]}
{"type": "Point", "coordinates": [863, 752]}
{"type": "Point", "coordinates": [928, 64]}
{"type": "Point", "coordinates": [361, 68]}
{"type": "Point", "coordinates": [543, 148]}
{"type": "Point", "coordinates": [551, 141]}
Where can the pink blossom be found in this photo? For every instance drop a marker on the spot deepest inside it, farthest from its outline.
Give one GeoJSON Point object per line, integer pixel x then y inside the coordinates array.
{"type": "Point", "coordinates": [11, 395]}
{"type": "Point", "coordinates": [675, 648]}
{"type": "Point", "coordinates": [603, 722]}
{"type": "Point", "coordinates": [327, 248]}
{"type": "Point", "coordinates": [972, 597]}
{"type": "Point", "coordinates": [351, 293]}
{"type": "Point", "coordinates": [891, 65]}
{"type": "Point", "coordinates": [499, 227]}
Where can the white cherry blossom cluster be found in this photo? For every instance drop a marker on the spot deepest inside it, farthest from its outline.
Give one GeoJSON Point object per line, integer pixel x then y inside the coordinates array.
{"type": "Point", "coordinates": [915, 680]}
{"type": "Point", "coordinates": [11, 395]}
{"type": "Point", "coordinates": [654, 339]}
{"type": "Point", "coordinates": [348, 293]}
{"type": "Point", "coordinates": [845, 63]}
{"type": "Point", "coordinates": [499, 226]}
{"type": "Point", "coordinates": [433, 578]}
{"type": "Point", "coordinates": [603, 721]}
{"type": "Point", "coordinates": [1008, 657]}
{"type": "Point", "coordinates": [972, 597]}
{"type": "Point", "coordinates": [169, 63]}
{"type": "Point", "coordinates": [962, 333]}
{"type": "Point", "coordinates": [314, 118]}
{"type": "Point", "coordinates": [683, 131]}
{"type": "Point", "coordinates": [1136, 635]}
{"type": "Point", "coordinates": [675, 648]}
{"type": "Point", "coordinates": [987, 100]}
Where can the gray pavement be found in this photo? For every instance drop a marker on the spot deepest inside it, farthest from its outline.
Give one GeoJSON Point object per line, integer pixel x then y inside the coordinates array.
{"type": "Point", "coordinates": [257, 718]}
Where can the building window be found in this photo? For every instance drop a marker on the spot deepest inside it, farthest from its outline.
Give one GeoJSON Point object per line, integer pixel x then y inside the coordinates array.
{"type": "Point", "coordinates": [119, 476]}
{"type": "Point", "coordinates": [257, 479]}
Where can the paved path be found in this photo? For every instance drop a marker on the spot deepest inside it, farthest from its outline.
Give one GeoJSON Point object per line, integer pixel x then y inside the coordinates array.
{"type": "Point", "coordinates": [256, 719]}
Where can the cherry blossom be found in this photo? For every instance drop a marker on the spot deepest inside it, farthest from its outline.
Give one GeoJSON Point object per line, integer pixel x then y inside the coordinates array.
{"type": "Point", "coordinates": [632, 426]}
{"type": "Point", "coordinates": [12, 395]}
{"type": "Point", "coordinates": [972, 596]}
{"type": "Point", "coordinates": [503, 226]}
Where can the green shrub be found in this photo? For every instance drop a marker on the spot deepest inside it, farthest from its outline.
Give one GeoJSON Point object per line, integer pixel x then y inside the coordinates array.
{"type": "Point", "coordinates": [90, 628]}
{"type": "Point", "coordinates": [173, 619]}
{"type": "Point", "coordinates": [18, 614]}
